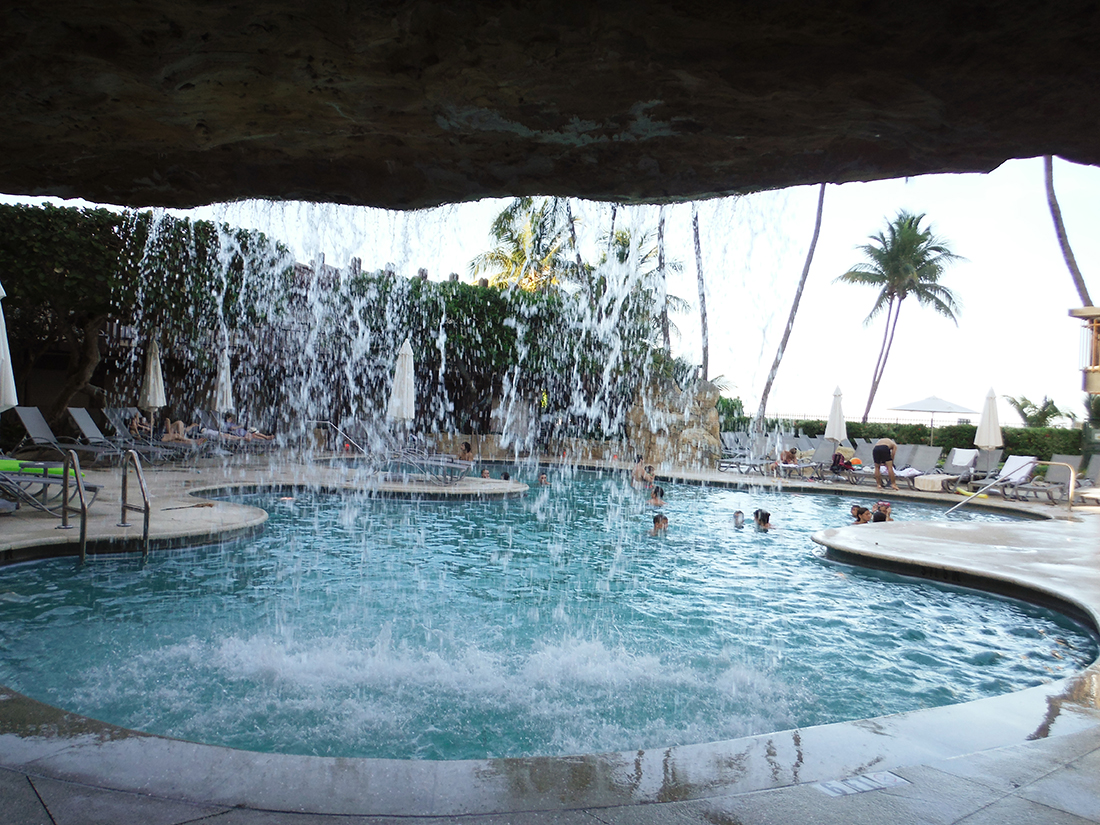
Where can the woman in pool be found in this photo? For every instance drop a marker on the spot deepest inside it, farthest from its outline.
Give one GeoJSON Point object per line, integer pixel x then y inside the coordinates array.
{"type": "Point", "coordinates": [763, 519]}
{"type": "Point", "coordinates": [657, 499]}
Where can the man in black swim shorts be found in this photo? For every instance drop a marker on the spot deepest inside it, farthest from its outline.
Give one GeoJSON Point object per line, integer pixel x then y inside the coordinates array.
{"type": "Point", "coordinates": [883, 453]}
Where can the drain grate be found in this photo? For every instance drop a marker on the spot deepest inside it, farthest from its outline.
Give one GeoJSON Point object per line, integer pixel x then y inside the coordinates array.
{"type": "Point", "coordinates": [861, 784]}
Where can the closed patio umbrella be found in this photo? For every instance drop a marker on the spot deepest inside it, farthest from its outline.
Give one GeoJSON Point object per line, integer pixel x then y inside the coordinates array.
{"type": "Point", "coordinates": [835, 429]}
{"type": "Point", "coordinates": [988, 436]}
{"type": "Point", "coordinates": [402, 403]}
{"type": "Point", "coordinates": [223, 385]}
{"type": "Point", "coordinates": [152, 388]}
{"type": "Point", "coordinates": [933, 405]}
{"type": "Point", "coordinates": [8, 397]}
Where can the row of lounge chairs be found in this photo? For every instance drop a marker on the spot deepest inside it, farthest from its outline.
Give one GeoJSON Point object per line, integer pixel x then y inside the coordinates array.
{"type": "Point", "coordinates": [971, 469]}
{"type": "Point", "coordinates": [94, 446]}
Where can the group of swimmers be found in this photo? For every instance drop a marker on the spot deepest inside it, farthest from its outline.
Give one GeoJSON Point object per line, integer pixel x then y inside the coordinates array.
{"type": "Point", "coordinates": [879, 511]}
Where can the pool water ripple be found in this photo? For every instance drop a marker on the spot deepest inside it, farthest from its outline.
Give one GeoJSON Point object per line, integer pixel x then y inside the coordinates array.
{"type": "Point", "coordinates": [549, 625]}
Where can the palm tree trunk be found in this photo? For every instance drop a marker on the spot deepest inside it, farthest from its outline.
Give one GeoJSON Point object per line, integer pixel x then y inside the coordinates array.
{"type": "Point", "coordinates": [665, 333]}
{"type": "Point", "coordinates": [879, 361]}
{"type": "Point", "coordinates": [889, 342]}
{"type": "Point", "coordinates": [759, 420]}
{"type": "Point", "coordinates": [1060, 231]}
{"type": "Point", "coordinates": [702, 289]}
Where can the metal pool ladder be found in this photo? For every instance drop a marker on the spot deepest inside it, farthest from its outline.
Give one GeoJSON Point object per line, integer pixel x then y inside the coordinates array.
{"type": "Point", "coordinates": [73, 463]}
{"type": "Point", "coordinates": [131, 457]}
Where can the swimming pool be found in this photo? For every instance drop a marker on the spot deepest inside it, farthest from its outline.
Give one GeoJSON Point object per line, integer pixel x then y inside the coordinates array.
{"type": "Point", "coordinates": [552, 624]}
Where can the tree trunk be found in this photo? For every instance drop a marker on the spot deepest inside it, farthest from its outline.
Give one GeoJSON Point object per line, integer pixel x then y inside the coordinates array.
{"type": "Point", "coordinates": [759, 420]}
{"type": "Point", "coordinates": [891, 326]}
{"type": "Point", "coordinates": [1060, 231]}
{"type": "Point", "coordinates": [878, 362]}
{"type": "Point", "coordinates": [665, 333]}
{"type": "Point", "coordinates": [702, 290]}
{"type": "Point", "coordinates": [86, 360]}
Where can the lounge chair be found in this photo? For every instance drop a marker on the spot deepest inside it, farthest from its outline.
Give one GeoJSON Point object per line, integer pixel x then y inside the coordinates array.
{"type": "Point", "coordinates": [816, 464]}
{"type": "Point", "coordinates": [959, 467]}
{"type": "Point", "coordinates": [38, 485]}
{"type": "Point", "coordinates": [922, 461]}
{"type": "Point", "coordinates": [987, 463]}
{"type": "Point", "coordinates": [755, 460]}
{"type": "Point", "coordinates": [1056, 481]}
{"type": "Point", "coordinates": [40, 436]}
{"type": "Point", "coordinates": [1089, 489]}
{"type": "Point", "coordinates": [1016, 470]}
{"type": "Point", "coordinates": [902, 457]}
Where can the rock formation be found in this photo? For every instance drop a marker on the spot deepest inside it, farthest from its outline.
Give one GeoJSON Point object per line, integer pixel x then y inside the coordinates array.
{"type": "Point", "coordinates": [668, 424]}
{"type": "Point", "coordinates": [411, 103]}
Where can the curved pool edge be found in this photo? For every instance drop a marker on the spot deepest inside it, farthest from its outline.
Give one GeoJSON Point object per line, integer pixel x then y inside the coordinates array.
{"type": "Point", "coordinates": [1052, 559]}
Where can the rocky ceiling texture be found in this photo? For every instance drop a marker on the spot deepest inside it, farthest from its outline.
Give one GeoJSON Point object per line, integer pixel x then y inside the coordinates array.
{"type": "Point", "coordinates": [411, 104]}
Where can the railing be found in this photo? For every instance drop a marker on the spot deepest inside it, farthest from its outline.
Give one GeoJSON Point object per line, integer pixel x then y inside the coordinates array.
{"type": "Point", "coordinates": [1069, 493]}
{"type": "Point", "coordinates": [73, 463]}
{"type": "Point", "coordinates": [132, 458]}
{"type": "Point", "coordinates": [316, 425]}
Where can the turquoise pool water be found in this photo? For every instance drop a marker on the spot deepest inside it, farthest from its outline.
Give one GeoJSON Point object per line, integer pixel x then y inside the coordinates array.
{"type": "Point", "coordinates": [552, 624]}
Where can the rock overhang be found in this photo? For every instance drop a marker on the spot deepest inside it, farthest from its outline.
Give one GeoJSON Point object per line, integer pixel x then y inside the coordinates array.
{"type": "Point", "coordinates": [409, 104]}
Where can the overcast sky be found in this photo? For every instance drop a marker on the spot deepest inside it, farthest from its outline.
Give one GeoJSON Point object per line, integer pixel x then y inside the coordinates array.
{"type": "Point", "coordinates": [1014, 334]}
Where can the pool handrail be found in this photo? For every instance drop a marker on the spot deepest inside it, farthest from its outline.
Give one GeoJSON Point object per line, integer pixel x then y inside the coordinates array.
{"type": "Point", "coordinates": [131, 457]}
{"type": "Point", "coordinates": [1069, 493]}
{"type": "Point", "coordinates": [73, 463]}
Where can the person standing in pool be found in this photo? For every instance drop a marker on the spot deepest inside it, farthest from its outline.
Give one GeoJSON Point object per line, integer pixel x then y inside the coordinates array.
{"type": "Point", "coordinates": [657, 499]}
{"type": "Point", "coordinates": [466, 452]}
{"type": "Point", "coordinates": [738, 519]}
{"type": "Point", "coordinates": [642, 475]}
{"type": "Point", "coordinates": [883, 454]}
{"type": "Point", "coordinates": [763, 519]}
{"type": "Point", "coordinates": [660, 525]}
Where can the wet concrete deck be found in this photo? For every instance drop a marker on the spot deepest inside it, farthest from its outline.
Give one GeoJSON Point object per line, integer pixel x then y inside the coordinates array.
{"type": "Point", "coordinates": [1032, 756]}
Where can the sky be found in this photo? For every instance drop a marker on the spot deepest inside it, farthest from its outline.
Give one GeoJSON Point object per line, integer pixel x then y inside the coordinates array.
{"type": "Point", "coordinates": [1013, 333]}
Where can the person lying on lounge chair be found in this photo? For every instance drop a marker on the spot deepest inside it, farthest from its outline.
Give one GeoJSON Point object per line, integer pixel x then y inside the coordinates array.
{"type": "Point", "coordinates": [181, 433]}
{"type": "Point", "coordinates": [231, 427]}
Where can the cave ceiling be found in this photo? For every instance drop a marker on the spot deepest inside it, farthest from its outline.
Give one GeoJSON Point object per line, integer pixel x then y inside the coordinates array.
{"type": "Point", "coordinates": [413, 104]}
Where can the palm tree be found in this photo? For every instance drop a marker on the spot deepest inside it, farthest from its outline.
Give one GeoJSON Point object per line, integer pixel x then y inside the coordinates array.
{"type": "Point", "coordinates": [1038, 415]}
{"type": "Point", "coordinates": [533, 241]}
{"type": "Point", "coordinates": [702, 290]}
{"type": "Point", "coordinates": [758, 422]}
{"type": "Point", "coordinates": [902, 261]}
{"type": "Point", "coordinates": [1060, 231]}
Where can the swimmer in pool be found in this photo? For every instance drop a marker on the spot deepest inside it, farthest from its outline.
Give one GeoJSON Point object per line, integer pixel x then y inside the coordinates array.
{"type": "Point", "coordinates": [543, 480]}
{"type": "Point", "coordinates": [657, 499]}
{"type": "Point", "coordinates": [660, 524]}
{"type": "Point", "coordinates": [763, 519]}
{"type": "Point", "coordinates": [738, 519]}
{"type": "Point", "coordinates": [485, 473]}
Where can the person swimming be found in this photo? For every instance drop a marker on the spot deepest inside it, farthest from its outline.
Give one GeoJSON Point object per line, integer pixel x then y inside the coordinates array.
{"type": "Point", "coordinates": [738, 519]}
{"type": "Point", "coordinates": [657, 499]}
{"type": "Point", "coordinates": [660, 524]}
{"type": "Point", "coordinates": [762, 519]}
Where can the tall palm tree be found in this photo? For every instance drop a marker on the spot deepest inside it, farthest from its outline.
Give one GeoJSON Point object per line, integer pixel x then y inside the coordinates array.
{"type": "Point", "coordinates": [1060, 231]}
{"type": "Point", "coordinates": [902, 261]}
{"type": "Point", "coordinates": [758, 422]}
{"type": "Point", "coordinates": [702, 290]}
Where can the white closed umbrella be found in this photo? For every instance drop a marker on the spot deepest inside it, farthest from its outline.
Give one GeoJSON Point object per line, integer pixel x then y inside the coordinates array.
{"type": "Point", "coordinates": [152, 388]}
{"type": "Point", "coordinates": [223, 385]}
{"type": "Point", "coordinates": [988, 436]}
{"type": "Point", "coordinates": [8, 396]}
{"type": "Point", "coordinates": [835, 429]}
{"type": "Point", "coordinates": [402, 404]}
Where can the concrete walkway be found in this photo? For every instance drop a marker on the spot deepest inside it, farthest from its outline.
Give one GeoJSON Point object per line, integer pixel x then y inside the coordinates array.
{"type": "Point", "coordinates": [1032, 756]}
